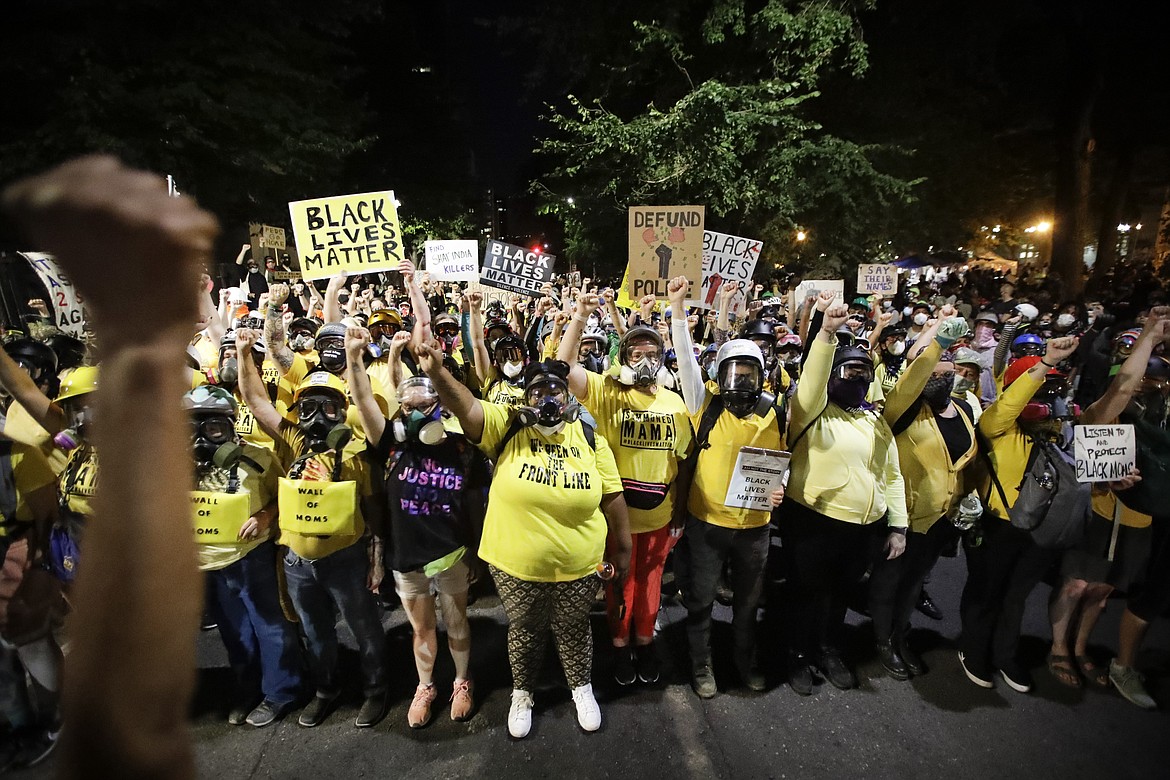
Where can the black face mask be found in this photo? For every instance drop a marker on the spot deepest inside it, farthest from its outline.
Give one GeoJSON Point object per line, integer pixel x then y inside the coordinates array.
{"type": "Point", "coordinates": [937, 393]}
{"type": "Point", "coordinates": [848, 393]}
{"type": "Point", "coordinates": [229, 373]}
{"type": "Point", "coordinates": [316, 428]}
{"type": "Point", "coordinates": [740, 402]}
{"type": "Point", "coordinates": [332, 359]}
{"type": "Point", "coordinates": [592, 363]}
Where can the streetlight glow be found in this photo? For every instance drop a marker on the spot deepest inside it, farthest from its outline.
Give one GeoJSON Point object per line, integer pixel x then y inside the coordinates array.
{"type": "Point", "coordinates": [801, 235]}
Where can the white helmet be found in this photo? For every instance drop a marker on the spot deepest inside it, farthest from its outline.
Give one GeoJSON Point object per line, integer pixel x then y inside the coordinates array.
{"type": "Point", "coordinates": [742, 390]}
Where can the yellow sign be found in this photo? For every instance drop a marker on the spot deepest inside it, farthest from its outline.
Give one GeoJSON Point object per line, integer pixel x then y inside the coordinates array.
{"type": "Point", "coordinates": [350, 234]}
{"type": "Point", "coordinates": [665, 241]}
{"type": "Point", "coordinates": [218, 517]}
{"type": "Point", "coordinates": [317, 508]}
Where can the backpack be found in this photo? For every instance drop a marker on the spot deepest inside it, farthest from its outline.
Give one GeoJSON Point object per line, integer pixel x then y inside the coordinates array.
{"type": "Point", "coordinates": [517, 426]}
{"type": "Point", "coordinates": [1151, 495]}
{"type": "Point", "coordinates": [1052, 506]}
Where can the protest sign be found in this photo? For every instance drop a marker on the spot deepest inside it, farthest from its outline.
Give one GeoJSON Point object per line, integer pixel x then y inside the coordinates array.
{"type": "Point", "coordinates": [270, 237]}
{"type": "Point", "coordinates": [814, 287]}
{"type": "Point", "coordinates": [218, 517]}
{"type": "Point", "coordinates": [515, 269]}
{"type": "Point", "coordinates": [452, 261]}
{"type": "Point", "coordinates": [65, 304]}
{"type": "Point", "coordinates": [665, 241]}
{"type": "Point", "coordinates": [726, 258]}
{"type": "Point", "coordinates": [1104, 453]}
{"type": "Point", "coordinates": [875, 278]}
{"type": "Point", "coordinates": [350, 234]}
{"type": "Point", "coordinates": [490, 295]}
{"type": "Point", "coordinates": [757, 473]}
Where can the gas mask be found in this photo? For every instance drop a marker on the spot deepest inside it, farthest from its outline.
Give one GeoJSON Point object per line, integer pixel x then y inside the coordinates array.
{"type": "Point", "coordinates": [229, 372]}
{"type": "Point", "coordinates": [302, 342]}
{"type": "Point", "coordinates": [644, 373]}
{"type": "Point", "coordinates": [332, 357]}
{"type": "Point", "coordinates": [549, 413]}
{"type": "Point", "coordinates": [741, 384]}
{"type": "Point", "coordinates": [448, 339]}
{"type": "Point", "coordinates": [592, 362]}
{"type": "Point", "coordinates": [423, 427]}
{"type": "Point", "coordinates": [937, 392]}
{"type": "Point", "coordinates": [211, 433]}
{"type": "Point", "coordinates": [317, 417]}
{"type": "Point", "coordinates": [849, 384]}
{"type": "Point", "coordinates": [79, 422]}
{"type": "Point", "coordinates": [1054, 409]}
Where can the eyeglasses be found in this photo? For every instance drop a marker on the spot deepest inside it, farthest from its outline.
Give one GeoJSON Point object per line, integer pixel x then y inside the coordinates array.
{"type": "Point", "coordinates": [332, 409]}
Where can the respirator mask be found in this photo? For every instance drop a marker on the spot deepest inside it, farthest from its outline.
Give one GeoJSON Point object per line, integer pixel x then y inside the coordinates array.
{"type": "Point", "coordinates": [549, 407]}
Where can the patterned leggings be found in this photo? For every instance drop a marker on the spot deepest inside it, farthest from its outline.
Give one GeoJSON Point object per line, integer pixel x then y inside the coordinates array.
{"type": "Point", "coordinates": [533, 608]}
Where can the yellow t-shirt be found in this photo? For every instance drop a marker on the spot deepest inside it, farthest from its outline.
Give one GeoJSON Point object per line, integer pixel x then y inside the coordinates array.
{"type": "Point", "coordinates": [208, 353]}
{"type": "Point", "coordinates": [650, 433]}
{"type": "Point", "coordinates": [261, 489]}
{"type": "Point", "coordinates": [78, 481]}
{"type": "Point", "coordinates": [502, 392]}
{"type": "Point", "coordinates": [544, 521]}
{"type": "Point", "coordinates": [247, 427]}
{"type": "Point", "coordinates": [297, 373]}
{"type": "Point", "coordinates": [354, 468]}
{"type": "Point", "coordinates": [30, 472]}
{"type": "Point", "coordinates": [715, 465]}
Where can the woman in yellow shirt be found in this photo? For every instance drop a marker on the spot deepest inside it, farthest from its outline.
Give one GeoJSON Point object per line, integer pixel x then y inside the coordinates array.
{"type": "Point", "coordinates": [554, 509]}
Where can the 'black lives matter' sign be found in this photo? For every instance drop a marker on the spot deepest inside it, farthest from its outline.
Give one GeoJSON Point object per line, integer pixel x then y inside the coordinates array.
{"type": "Point", "coordinates": [515, 269]}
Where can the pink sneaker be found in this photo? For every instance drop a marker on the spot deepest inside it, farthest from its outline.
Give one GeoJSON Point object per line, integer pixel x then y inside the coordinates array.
{"type": "Point", "coordinates": [461, 701]}
{"type": "Point", "coordinates": [419, 713]}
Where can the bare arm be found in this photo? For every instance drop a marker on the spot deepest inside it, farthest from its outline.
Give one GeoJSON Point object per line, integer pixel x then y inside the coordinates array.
{"type": "Point", "coordinates": [18, 384]}
{"type": "Point", "coordinates": [616, 316]}
{"type": "Point", "coordinates": [252, 385]}
{"type": "Point", "coordinates": [356, 340]}
{"type": "Point", "coordinates": [454, 396]}
{"type": "Point", "coordinates": [208, 313]}
{"type": "Point", "coordinates": [331, 305]}
{"type": "Point", "coordinates": [567, 349]}
{"type": "Point", "coordinates": [275, 335]}
{"type": "Point", "coordinates": [483, 360]}
{"type": "Point", "coordinates": [618, 542]}
{"type": "Point", "coordinates": [121, 237]}
{"type": "Point", "coordinates": [1120, 391]}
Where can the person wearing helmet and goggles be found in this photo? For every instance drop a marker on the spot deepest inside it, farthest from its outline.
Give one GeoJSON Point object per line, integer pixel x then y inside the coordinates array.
{"type": "Point", "coordinates": [734, 413]}
{"type": "Point", "coordinates": [649, 430]}
{"type": "Point", "coordinates": [325, 500]}
{"type": "Point", "coordinates": [236, 508]}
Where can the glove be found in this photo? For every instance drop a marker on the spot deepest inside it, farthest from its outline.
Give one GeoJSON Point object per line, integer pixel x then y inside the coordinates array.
{"type": "Point", "coordinates": [951, 331]}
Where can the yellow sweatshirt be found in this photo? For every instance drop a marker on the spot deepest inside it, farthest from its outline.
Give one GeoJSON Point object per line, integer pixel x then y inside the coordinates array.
{"type": "Point", "coordinates": [1009, 444]}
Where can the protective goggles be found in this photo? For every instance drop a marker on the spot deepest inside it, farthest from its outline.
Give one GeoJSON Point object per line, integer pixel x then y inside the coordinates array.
{"type": "Point", "coordinates": [217, 430]}
{"type": "Point", "coordinates": [855, 371]}
{"type": "Point", "coordinates": [742, 376]}
{"type": "Point", "coordinates": [332, 409]}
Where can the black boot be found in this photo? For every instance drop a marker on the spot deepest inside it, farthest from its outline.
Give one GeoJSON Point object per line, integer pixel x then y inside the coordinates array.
{"type": "Point", "coordinates": [914, 663]}
{"type": "Point", "coordinates": [892, 662]}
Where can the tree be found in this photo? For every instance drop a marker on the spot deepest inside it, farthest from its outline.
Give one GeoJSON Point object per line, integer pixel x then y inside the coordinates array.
{"type": "Point", "coordinates": [711, 106]}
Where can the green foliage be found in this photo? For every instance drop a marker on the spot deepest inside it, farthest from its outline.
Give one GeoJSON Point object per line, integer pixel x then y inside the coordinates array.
{"type": "Point", "coordinates": [713, 108]}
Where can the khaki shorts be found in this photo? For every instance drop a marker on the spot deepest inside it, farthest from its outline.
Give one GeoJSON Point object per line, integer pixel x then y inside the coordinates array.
{"type": "Point", "coordinates": [415, 584]}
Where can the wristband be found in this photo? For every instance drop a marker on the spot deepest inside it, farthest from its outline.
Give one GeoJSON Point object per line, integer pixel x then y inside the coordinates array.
{"type": "Point", "coordinates": [1050, 365]}
{"type": "Point", "coordinates": [580, 319]}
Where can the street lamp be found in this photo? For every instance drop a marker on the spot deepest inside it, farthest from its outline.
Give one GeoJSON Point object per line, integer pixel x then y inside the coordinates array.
{"type": "Point", "coordinates": [801, 235]}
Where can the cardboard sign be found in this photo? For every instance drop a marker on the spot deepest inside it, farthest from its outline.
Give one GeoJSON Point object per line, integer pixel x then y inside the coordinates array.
{"type": "Point", "coordinates": [515, 269]}
{"type": "Point", "coordinates": [814, 287]}
{"type": "Point", "coordinates": [1104, 453]}
{"type": "Point", "coordinates": [350, 234]}
{"type": "Point", "coordinates": [877, 278]}
{"type": "Point", "coordinates": [285, 276]}
{"type": "Point", "coordinates": [317, 508]}
{"type": "Point", "coordinates": [452, 261]}
{"type": "Point", "coordinates": [218, 517]}
{"type": "Point", "coordinates": [665, 241]}
{"type": "Point", "coordinates": [271, 237]}
{"type": "Point", "coordinates": [757, 473]}
{"type": "Point", "coordinates": [726, 258]}
{"type": "Point", "coordinates": [65, 304]}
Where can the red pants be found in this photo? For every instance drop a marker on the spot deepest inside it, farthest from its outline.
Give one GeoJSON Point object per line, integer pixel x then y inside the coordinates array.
{"type": "Point", "coordinates": [642, 592]}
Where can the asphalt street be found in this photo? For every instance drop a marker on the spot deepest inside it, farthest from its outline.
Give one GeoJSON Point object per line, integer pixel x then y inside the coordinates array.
{"type": "Point", "coordinates": [933, 726]}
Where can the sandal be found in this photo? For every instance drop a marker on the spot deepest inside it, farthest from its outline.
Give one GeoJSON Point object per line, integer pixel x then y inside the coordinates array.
{"type": "Point", "coordinates": [1097, 675]}
{"type": "Point", "coordinates": [1061, 667]}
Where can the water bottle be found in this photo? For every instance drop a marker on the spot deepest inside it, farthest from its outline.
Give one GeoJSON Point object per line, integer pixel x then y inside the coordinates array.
{"type": "Point", "coordinates": [969, 511]}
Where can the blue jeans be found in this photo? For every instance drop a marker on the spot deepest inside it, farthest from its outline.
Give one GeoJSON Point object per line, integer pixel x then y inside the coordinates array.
{"type": "Point", "coordinates": [338, 582]}
{"type": "Point", "coordinates": [262, 645]}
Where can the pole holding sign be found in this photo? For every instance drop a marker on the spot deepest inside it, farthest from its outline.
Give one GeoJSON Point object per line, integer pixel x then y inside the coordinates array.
{"type": "Point", "coordinates": [515, 269]}
{"type": "Point", "coordinates": [726, 258]}
{"type": "Point", "coordinates": [350, 234]}
{"type": "Point", "coordinates": [65, 304]}
{"type": "Point", "coordinates": [452, 261]}
{"type": "Point", "coordinates": [664, 241]}
{"type": "Point", "coordinates": [878, 279]}
{"type": "Point", "coordinates": [1104, 453]}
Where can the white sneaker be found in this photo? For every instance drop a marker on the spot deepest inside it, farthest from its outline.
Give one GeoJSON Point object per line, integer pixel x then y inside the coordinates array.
{"type": "Point", "coordinates": [588, 713]}
{"type": "Point", "coordinates": [520, 714]}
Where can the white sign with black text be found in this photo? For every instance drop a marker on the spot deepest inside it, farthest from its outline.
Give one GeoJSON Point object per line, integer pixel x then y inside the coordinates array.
{"type": "Point", "coordinates": [1104, 453]}
{"type": "Point", "coordinates": [757, 473]}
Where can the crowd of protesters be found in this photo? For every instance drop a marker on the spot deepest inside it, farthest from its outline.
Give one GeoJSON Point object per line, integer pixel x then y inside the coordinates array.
{"type": "Point", "coordinates": [569, 448]}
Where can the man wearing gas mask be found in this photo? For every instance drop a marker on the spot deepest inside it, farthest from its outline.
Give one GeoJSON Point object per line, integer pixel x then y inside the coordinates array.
{"type": "Point", "coordinates": [325, 501]}
{"type": "Point", "coordinates": [845, 497]}
{"type": "Point", "coordinates": [555, 514]}
{"type": "Point", "coordinates": [506, 374]}
{"type": "Point", "coordinates": [593, 352]}
{"type": "Point", "coordinates": [738, 412]}
{"type": "Point", "coordinates": [302, 338]}
{"type": "Point", "coordinates": [434, 485]}
{"type": "Point", "coordinates": [236, 508]}
{"type": "Point", "coordinates": [789, 350]}
{"type": "Point", "coordinates": [649, 430]}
